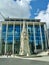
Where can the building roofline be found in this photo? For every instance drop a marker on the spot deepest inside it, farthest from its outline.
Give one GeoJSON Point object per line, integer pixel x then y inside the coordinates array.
{"type": "Point", "coordinates": [22, 19]}
{"type": "Point", "coordinates": [30, 23]}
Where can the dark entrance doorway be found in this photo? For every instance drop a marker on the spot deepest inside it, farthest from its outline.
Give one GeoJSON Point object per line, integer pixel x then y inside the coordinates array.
{"type": "Point", "coordinates": [16, 47]}
{"type": "Point", "coordinates": [9, 48]}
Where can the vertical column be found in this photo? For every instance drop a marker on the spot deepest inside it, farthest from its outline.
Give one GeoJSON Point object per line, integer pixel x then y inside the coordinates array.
{"type": "Point", "coordinates": [34, 37]}
{"type": "Point", "coordinates": [41, 36]}
{"type": "Point", "coordinates": [45, 33]}
{"type": "Point", "coordinates": [27, 35]}
{"type": "Point", "coordinates": [47, 36]}
{"type": "Point", "coordinates": [27, 28]}
{"type": "Point", "coordinates": [13, 38]}
{"type": "Point", "coordinates": [20, 28]}
{"type": "Point", "coordinates": [20, 37]}
{"type": "Point", "coordinates": [6, 38]}
{"type": "Point", "coordinates": [0, 37]}
{"type": "Point", "coordinates": [29, 51]}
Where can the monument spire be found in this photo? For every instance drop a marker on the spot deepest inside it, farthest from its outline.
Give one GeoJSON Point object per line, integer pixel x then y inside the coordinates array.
{"type": "Point", "coordinates": [24, 45]}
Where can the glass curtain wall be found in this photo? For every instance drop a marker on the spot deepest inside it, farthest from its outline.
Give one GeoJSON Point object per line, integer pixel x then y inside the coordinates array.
{"type": "Point", "coordinates": [3, 38]}
{"type": "Point", "coordinates": [38, 37]}
{"type": "Point", "coordinates": [17, 39]}
{"type": "Point", "coordinates": [17, 36]}
{"type": "Point", "coordinates": [43, 35]}
{"type": "Point", "coordinates": [31, 38]}
{"type": "Point", "coordinates": [9, 38]}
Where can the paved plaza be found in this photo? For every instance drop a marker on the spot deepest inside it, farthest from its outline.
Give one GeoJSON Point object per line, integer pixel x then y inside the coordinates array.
{"type": "Point", "coordinates": [14, 61]}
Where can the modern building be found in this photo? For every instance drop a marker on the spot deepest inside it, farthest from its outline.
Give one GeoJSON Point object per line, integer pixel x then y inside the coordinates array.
{"type": "Point", "coordinates": [10, 35]}
{"type": "Point", "coordinates": [48, 37]}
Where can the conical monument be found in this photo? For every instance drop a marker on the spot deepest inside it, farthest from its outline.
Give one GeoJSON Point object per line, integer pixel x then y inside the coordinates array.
{"type": "Point", "coordinates": [24, 45]}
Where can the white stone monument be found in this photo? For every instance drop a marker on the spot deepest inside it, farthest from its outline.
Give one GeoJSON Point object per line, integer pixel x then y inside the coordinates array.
{"type": "Point", "coordinates": [24, 45]}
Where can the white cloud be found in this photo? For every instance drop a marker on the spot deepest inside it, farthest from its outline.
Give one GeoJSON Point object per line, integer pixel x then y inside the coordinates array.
{"type": "Point", "coordinates": [36, 12]}
{"type": "Point", "coordinates": [18, 8]}
{"type": "Point", "coordinates": [44, 16]}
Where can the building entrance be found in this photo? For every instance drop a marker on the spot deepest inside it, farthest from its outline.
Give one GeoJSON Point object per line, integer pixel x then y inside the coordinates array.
{"type": "Point", "coordinates": [17, 47]}
{"type": "Point", "coordinates": [9, 48]}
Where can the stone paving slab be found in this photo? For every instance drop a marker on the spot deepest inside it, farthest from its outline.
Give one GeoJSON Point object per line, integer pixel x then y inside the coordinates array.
{"type": "Point", "coordinates": [44, 58]}
{"type": "Point", "coordinates": [18, 61]}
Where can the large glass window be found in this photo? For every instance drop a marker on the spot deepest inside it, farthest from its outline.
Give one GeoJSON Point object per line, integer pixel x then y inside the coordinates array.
{"type": "Point", "coordinates": [10, 33]}
{"type": "Point", "coordinates": [17, 38]}
{"type": "Point", "coordinates": [37, 36]}
{"type": "Point", "coordinates": [30, 33]}
{"type": "Point", "coordinates": [17, 32]}
{"type": "Point", "coordinates": [31, 38]}
{"type": "Point", "coordinates": [42, 29]}
{"type": "Point", "coordinates": [3, 37]}
{"type": "Point", "coordinates": [43, 35]}
{"type": "Point", "coordinates": [3, 28]}
{"type": "Point", "coordinates": [4, 32]}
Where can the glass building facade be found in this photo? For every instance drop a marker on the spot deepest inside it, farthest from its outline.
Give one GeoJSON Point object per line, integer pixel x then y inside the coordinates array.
{"type": "Point", "coordinates": [10, 35]}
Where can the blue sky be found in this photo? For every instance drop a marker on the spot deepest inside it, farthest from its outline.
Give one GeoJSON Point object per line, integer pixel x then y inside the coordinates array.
{"type": "Point", "coordinates": [38, 9]}
{"type": "Point", "coordinates": [37, 6]}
